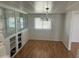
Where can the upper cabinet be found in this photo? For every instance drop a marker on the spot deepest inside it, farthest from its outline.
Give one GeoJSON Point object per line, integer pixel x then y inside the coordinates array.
{"type": "Point", "coordinates": [17, 21]}
{"type": "Point", "coordinates": [10, 22]}
{"type": "Point", "coordinates": [25, 21]}
{"type": "Point", "coordinates": [2, 26]}
{"type": "Point", "coordinates": [1, 19]}
{"type": "Point", "coordinates": [21, 22]}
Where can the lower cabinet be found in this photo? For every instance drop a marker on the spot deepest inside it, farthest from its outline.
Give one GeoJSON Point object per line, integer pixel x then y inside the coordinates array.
{"type": "Point", "coordinates": [19, 40]}
{"type": "Point", "coordinates": [15, 44]}
{"type": "Point", "coordinates": [12, 52]}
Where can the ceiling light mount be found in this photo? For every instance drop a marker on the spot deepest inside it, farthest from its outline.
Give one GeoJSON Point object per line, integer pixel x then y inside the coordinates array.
{"type": "Point", "coordinates": [47, 8]}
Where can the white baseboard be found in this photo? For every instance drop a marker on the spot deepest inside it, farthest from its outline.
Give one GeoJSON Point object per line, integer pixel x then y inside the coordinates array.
{"type": "Point", "coordinates": [46, 39]}
{"type": "Point", "coordinates": [65, 46]}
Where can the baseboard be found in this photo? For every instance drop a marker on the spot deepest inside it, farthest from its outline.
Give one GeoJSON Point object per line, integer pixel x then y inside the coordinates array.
{"type": "Point", "coordinates": [65, 47]}
{"type": "Point", "coordinates": [45, 39]}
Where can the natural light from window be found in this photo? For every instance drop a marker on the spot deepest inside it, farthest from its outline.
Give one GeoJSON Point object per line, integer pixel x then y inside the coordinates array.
{"type": "Point", "coordinates": [42, 24]}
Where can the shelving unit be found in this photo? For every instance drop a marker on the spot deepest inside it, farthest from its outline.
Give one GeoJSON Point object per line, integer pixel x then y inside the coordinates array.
{"type": "Point", "coordinates": [13, 23]}
{"type": "Point", "coordinates": [19, 40]}
{"type": "Point", "coordinates": [12, 46]}
{"type": "Point", "coordinates": [14, 43]}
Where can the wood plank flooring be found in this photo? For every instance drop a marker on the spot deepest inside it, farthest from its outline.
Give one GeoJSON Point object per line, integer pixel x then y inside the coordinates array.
{"type": "Point", "coordinates": [74, 48]}
{"type": "Point", "coordinates": [43, 49]}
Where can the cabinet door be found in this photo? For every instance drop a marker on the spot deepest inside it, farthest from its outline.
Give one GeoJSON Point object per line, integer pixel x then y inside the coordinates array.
{"type": "Point", "coordinates": [17, 17]}
{"type": "Point", "coordinates": [25, 21]}
{"type": "Point", "coordinates": [10, 22]}
{"type": "Point", "coordinates": [1, 20]}
{"type": "Point", "coordinates": [21, 21]}
{"type": "Point", "coordinates": [2, 26]}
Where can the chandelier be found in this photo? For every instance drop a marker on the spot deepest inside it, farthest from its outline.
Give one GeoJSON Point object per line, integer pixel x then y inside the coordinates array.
{"type": "Point", "coordinates": [45, 16]}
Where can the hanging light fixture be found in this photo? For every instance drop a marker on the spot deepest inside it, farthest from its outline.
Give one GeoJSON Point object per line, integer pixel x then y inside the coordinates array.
{"type": "Point", "coordinates": [47, 13]}
{"type": "Point", "coordinates": [47, 9]}
{"type": "Point", "coordinates": [45, 16]}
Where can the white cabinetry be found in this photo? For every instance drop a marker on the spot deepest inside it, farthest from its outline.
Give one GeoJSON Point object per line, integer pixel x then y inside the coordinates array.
{"type": "Point", "coordinates": [13, 26]}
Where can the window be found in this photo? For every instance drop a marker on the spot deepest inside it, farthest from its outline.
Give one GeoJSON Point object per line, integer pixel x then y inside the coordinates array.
{"type": "Point", "coordinates": [42, 24]}
{"type": "Point", "coordinates": [38, 23]}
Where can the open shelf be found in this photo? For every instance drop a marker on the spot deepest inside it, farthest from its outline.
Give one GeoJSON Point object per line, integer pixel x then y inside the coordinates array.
{"type": "Point", "coordinates": [13, 51]}
{"type": "Point", "coordinates": [19, 45]}
{"type": "Point", "coordinates": [12, 46]}
{"type": "Point", "coordinates": [19, 40]}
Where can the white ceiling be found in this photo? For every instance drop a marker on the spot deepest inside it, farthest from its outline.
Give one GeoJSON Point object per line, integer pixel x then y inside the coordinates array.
{"type": "Point", "coordinates": [39, 6]}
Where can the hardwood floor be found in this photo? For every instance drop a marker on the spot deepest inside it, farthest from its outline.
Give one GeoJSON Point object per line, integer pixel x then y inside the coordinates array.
{"type": "Point", "coordinates": [74, 48]}
{"type": "Point", "coordinates": [43, 49]}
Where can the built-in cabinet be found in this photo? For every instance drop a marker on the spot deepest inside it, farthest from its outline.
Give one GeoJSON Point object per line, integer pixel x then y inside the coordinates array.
{"type": "Point", "coordinates": [12, 23]}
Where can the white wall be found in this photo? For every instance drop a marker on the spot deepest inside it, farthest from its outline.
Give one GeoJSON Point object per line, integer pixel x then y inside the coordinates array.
{"type": "Point", "coordinates": [71, 29]}
{"type": "Point", "coordinates": [59, 22]}
{"type": "Point", "coordinates": [53, 34]}
{"type": "Point", "coordinates": [25, 37]}
{"type": "Point", "coordinates": [66, 33]}
{"type": "Point", "coordinates": [74, 34]}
